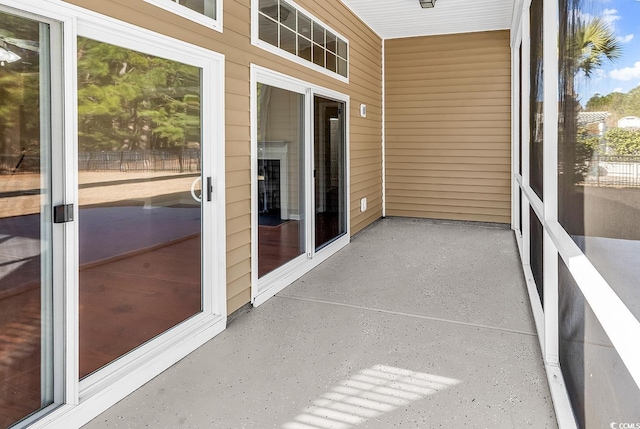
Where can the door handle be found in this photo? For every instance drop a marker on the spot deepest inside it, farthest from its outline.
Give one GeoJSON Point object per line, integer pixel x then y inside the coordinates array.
{"type": "Point", "coordinates": [63, 213]}
{"type": "Point", "coordinates": [209, 189]}
{"type": "Point", "coordinates": [193, 190]}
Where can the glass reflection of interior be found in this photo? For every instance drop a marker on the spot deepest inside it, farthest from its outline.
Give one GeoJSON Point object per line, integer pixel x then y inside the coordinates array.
{"type": "Point", "coordinates": [26, 379]}
{"type": "Point", "coordinates": [205, 7]}
{"type": "Point", "coordinates": [329, 180]}
{"type": "Point", "coordinates": [599, 194]}
{"type": "Point", "coordinates": [139, 161]}
{"type": "Point", "coordinates": [281, 212]}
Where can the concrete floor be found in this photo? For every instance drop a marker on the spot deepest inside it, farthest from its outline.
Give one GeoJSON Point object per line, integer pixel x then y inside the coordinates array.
{"type": "Point", "coordinates": [415, 324]}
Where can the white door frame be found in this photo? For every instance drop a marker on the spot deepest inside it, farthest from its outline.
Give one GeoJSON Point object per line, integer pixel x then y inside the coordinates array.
{"type": "Point", "coordinates": [264, 288]}
{"type": "Point", "coordinates": [346, 157]}
{"type": "Point", "coordinates": [77, 402]}
{"type": "Point", "coordinates": [212, 112]}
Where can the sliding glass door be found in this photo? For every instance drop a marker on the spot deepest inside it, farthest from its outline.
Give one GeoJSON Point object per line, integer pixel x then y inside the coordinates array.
{"type": "Point", "coordinates": [300, 179]}
{"type": "Point", "coordinates": [280, 177]}
{"type": "Point", "coordinates": [140, 198]}
{"type": "Point", "coordinates": [26, 357]}
{"type": "Point", "coordinates": [112, 209]}
{"type": "Point", "coordinates": [329, 171]}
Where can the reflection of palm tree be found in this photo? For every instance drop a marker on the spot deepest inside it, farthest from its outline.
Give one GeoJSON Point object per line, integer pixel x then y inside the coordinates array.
{"type": "Point", "coordinates": [585, 45]}
{"type": "Point", "coordinates": [595, 42]}
{"type": "Point", "coordinates": [585, 48]}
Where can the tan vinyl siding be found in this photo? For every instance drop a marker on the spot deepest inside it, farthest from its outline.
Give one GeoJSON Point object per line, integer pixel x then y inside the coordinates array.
{"type": "Point", "coordinates": [448, 109]}
{"type": "Point", "coordinates": [365, 86]}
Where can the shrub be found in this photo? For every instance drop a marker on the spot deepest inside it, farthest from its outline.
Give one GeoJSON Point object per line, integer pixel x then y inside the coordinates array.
{"type": "Point", "coordinates": [623, 141]}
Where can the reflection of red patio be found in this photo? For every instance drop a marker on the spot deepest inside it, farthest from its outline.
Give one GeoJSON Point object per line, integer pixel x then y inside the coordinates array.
{"type": "Point", "coordinates": [127, 302]}
{"type": "Point", "coordinates": [133, 262]}
{"type": "Point", "coordinates": [123, 303]}
{"type": "Point", "coordinates": [19, 355]}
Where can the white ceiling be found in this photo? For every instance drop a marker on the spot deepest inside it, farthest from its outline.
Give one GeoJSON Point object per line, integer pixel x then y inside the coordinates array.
{"type": "Point", "coordinates": [405, 18]}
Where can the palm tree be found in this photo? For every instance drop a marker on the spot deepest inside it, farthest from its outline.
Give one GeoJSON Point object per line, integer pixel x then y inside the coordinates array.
{"type": "Point", "coordinates": [586, 45]}
{"type": "Point", "coordinates": [594, 42]}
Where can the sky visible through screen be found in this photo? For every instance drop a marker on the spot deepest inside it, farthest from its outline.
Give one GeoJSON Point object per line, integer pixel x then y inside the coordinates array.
{"type": "Point", "coordinates": [622, 75]}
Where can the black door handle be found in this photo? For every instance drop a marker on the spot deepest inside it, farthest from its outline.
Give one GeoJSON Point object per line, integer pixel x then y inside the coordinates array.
{"type": "Point", "coordinates": [63, 213]}
{"type": "Point", "coordinates": [209, 189]}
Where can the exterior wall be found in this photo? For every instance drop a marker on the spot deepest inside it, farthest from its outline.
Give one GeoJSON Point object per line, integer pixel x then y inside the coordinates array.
{"type": "Point", "coordinates": [365, 86]}
{"type": "Point", "coordinates": [448, 127]}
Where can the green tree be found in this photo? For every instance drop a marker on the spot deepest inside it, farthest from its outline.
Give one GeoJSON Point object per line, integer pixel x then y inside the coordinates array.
{"type": "Point", "coordinates": [129, 100]}
{"type": "Point", "coordinates": [595, 43]}
{"type": "Point", "coordinates": [631, 103]}
{"type": "Point", "coordinates": [612, 103]}
{"type": "Point", "coordinates": [20, 88]}
{"type": "Point", "coordinates": [617, 103]}
{"type": "Point", "coordinates": [587, 45]}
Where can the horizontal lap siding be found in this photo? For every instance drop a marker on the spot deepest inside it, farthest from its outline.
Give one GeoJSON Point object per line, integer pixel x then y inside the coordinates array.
{"type": "Point", "coordinates": [365, 86]}
{"type": "Point", "coordinates": [448, 109]}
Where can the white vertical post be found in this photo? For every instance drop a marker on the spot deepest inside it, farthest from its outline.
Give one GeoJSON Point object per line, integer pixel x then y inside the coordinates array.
{"type": "Point", "coordinates": [70, 272]}
{"type": "Point", "coordinates": [515, 129]}
{"type": "Point", "coordinates": [47, 322]}
{"type": "Point", "coordinates": [254, 182]}
{"type": "Point", "coordinates": [524, 130]}
{"type": "Point", "coordinates": [384, 132]}
{"type": "Point", "coordinates": [308, 147]}
{"type": "Point", "coordinates": [550, 176]}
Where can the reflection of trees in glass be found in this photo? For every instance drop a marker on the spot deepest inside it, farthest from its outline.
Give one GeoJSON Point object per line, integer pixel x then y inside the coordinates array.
{"type": "Point", "coordinates": [586, 44]}
{"type": "Point", "coordinates": [619, 141]}
{"type": "Point", "coordinates": [20, 87]}
{"type": "Point", "coordinates": [586, 145]}
{"type": "Point", "coordinates": [617, 103]}
{"type": "Point", "coordinates": [128, 100]}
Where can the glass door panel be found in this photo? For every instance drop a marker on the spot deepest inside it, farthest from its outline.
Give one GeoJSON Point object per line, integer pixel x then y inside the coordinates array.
{"type": "Point", "coordinates": [281, 196]}
{"type": "Point", "coordinates": [329, 171]}
{"type": "Point", "coordinates": [140, 211]}
{"type": "Point", "coordinates": [26, 361]}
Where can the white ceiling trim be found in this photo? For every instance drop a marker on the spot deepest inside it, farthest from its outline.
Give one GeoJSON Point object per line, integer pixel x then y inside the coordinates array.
{"type": "Point", "coordinates": [392, 19]}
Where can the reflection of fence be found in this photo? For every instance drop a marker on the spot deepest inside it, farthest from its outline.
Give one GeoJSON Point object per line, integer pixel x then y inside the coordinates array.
{"type": "Point", "coordinates": [141, 160]}
{"type": "Point", "coordinates": [187, 160]}
{"type": "Point", "coordinates": [614, 170]}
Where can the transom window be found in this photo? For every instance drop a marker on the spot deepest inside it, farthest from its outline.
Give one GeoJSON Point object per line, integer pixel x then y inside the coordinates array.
{"type": "Point", "coordinates": [206, 12]}
{"type": "Point", "coordinates": [299, 36]}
